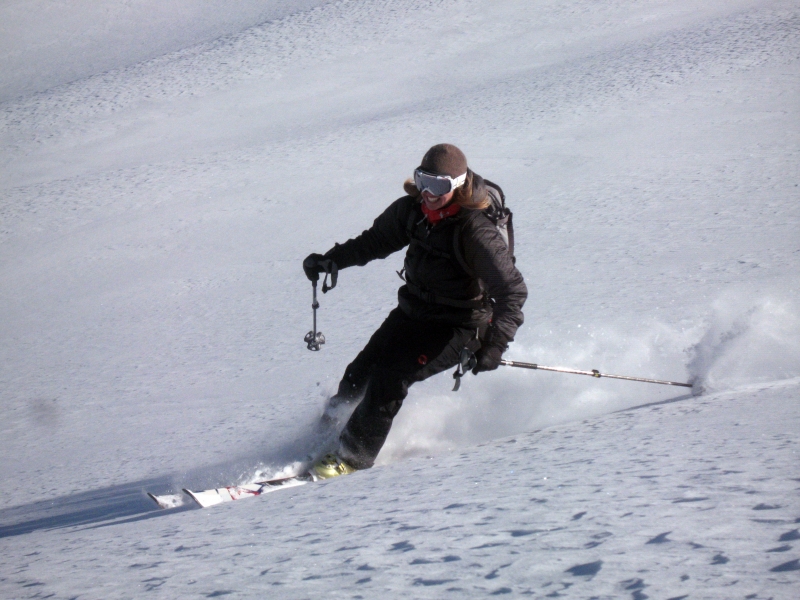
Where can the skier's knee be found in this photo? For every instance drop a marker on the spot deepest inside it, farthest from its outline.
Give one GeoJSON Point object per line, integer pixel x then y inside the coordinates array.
{"type": "Point", "coordinates": [353, 383]}
{"type": "Point", "coordinates": [390, 409]}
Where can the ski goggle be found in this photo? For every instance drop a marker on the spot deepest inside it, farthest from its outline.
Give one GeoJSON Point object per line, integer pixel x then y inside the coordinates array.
{"type": "Point", "coordinates": [437, 185]}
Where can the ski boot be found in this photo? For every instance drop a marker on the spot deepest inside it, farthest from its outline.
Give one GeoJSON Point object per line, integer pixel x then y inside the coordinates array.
{"type": "Point", "coordinates": [330, 466]}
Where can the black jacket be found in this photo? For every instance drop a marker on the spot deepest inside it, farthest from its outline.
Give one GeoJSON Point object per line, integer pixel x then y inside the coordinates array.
{"type": "Point", "coordinates": [457, 271]}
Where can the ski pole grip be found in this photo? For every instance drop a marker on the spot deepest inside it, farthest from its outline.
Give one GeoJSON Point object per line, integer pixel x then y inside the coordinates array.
{"type": "Point", "coordinates": [522, 365]}
{"type": "Point", "coordinates": [311, 268]}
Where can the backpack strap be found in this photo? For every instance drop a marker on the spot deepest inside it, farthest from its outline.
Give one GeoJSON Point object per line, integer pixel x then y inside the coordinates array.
{"type": "Point", "coordinates": [411, 224]}
{"type": "Point", "coordinates": [504, 220]}
{"type": "Point", "coordinates": [510, 231]}
{"type": "Point", "coordinates": [492, 184]}
{"type": "Point", "coordinates": [410, 232]}
{"type": "Point", "coordinates": [459, 255]}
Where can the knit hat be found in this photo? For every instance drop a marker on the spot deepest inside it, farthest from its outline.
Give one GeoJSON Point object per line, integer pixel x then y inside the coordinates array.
{"type": "Point", "coordinates": [444, 159]}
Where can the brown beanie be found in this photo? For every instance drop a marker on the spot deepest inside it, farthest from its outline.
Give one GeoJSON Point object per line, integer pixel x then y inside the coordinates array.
{"type": "Point", "coordinates": [444, 159]}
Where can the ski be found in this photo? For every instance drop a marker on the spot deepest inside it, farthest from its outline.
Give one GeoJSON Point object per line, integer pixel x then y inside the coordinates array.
{"type": "Point", "coordinates": [167, 500]}
{"type": "Point", "coordinates": [208, 498]}
{"type": "Point", "coordinates": [212, 497]}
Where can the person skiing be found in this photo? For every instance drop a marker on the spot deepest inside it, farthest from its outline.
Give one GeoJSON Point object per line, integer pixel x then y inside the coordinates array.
{"type": "Point", "coordinates": [462, 290]}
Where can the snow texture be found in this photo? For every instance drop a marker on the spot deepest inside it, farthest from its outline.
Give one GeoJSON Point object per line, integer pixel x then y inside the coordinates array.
{"type": "Point", "coordinates": [164, 169]}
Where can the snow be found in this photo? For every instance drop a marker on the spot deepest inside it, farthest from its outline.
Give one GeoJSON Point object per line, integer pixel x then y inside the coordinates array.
{"type": "Point", "coordinates": [45, 43]}
{"type": "Point", "coordinates": [165, 168]}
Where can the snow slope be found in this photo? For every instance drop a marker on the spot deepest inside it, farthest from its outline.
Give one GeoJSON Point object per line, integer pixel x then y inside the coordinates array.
{"type": "Point", "coordinates": [692, 498]}
{"type": "Point", "coordinates": [153, 216]}
{"type": "Point", "coordinates": [44, 43]}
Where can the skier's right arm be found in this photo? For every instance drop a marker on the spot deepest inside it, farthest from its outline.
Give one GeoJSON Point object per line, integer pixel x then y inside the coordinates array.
{"type": "Point", "coordinates": [388, 234]}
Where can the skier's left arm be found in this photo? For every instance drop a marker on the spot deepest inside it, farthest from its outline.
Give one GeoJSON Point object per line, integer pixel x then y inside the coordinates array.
{"type": "Point", "coordinates": [485, 253]}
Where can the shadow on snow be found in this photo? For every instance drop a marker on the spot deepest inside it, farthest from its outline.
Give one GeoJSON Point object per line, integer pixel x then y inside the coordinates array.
{"type": "Point", "coordinates": [104, 506]}
{"type": "Point", "coordinates": [129, 502]}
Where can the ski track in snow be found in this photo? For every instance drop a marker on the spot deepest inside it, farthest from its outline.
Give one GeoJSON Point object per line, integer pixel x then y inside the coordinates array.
{"type": "Point", "coordinates": [152, 220]}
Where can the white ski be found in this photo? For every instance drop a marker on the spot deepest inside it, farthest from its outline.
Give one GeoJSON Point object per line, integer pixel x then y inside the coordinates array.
{"type": "Point", "coordinates": [230, 493]}
{"type": "Point", "coordinates": [208, 498]}
{"type": "Point", "coordinates": [168, 500]}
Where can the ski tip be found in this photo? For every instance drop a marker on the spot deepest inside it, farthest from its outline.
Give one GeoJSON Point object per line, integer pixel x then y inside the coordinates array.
{"type": "Point", "coordinates": [207, 498]}
{"type": "Point", "coordinates": [167, 501]}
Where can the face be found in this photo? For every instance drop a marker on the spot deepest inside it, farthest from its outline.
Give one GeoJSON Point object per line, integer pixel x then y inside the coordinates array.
{"type": "Point", "coordinates": [437, 202]}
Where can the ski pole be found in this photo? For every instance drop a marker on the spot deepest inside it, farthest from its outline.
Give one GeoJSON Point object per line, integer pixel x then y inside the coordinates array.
{"type": "Point", "coordinates": [466, 362]}
{"type": "Point", "coordinates": [314, 339]}
{"type": "Point", "coordinates": [592, 373]}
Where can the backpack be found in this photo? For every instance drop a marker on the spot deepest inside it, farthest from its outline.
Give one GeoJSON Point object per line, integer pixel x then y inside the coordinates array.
{"type": "Point", "coordinates": [499, 214]}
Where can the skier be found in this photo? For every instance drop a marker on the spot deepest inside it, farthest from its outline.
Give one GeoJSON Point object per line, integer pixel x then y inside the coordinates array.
{"type": "Point", "coordinates": [461, 290]}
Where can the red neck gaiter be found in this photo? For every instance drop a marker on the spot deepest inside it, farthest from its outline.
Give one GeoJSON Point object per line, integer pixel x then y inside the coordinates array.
{"type": "Point", "coordinates": [434, 216]}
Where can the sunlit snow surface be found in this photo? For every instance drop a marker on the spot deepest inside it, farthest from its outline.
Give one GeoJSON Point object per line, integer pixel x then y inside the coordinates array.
{"type": "Point", "coordinates": [152, 222]}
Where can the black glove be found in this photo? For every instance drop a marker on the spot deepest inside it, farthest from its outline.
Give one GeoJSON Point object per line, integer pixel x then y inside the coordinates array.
{"type": "Point", "coordinates": [488, 359]}
{"type": "Point", "coordinates": [313, 265]}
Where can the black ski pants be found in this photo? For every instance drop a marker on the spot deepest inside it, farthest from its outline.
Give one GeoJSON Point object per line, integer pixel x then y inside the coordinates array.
{"type": "Point", "coordinates": [401, 352]}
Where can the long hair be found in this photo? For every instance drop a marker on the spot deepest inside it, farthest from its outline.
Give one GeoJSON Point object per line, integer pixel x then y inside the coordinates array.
{"type": "Point", "coordinates": [466, 195]}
